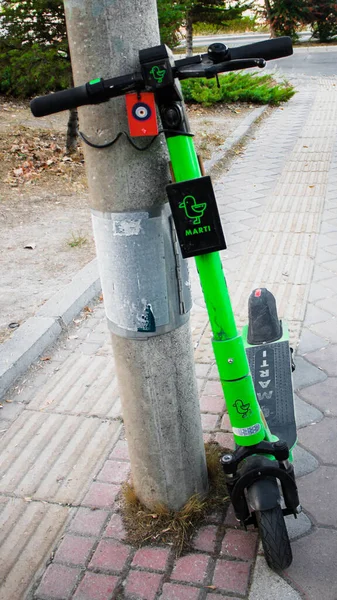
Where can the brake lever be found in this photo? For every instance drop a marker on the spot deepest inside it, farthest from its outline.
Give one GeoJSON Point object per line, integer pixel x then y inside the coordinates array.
{"type": "Point", "coordinates": [223, 67]}
{"type": "Point", "coordinates": [234, 65]}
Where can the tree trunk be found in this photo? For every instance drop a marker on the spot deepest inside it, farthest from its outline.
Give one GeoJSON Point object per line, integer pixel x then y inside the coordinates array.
{"type": "Point", "coordinates": [72, 131]}
{"type": "Point", "coordinates": [269, 18]}
{"type": "Point", "coordinates": [189, 35]}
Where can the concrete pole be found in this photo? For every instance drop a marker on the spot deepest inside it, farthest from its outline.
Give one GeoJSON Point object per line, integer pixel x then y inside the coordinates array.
{"type": "Point", "coordinates": [139, 262]}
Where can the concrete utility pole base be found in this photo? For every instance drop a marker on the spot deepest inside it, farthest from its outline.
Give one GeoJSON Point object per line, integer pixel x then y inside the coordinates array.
{"type": "Point", "coordinates": [162, 417]}
{"type": "Point", "coordinates": [156, 374]}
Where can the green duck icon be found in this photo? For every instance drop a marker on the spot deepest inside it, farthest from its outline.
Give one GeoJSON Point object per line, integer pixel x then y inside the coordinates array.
{"type": "Point", "coordinates": [242, 409]}
{"type": "Point", "coordinates": [158, 74]}
{"type": "Point", "coordinates": [193, 210]}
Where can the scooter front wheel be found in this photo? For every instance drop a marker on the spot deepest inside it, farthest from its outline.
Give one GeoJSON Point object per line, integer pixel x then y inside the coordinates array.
{"type": "Point", "coordinates": [274, 537]}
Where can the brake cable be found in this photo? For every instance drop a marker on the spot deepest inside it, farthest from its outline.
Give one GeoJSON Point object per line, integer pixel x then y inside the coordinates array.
{"type": "Point", "coordinates": [130, 140]}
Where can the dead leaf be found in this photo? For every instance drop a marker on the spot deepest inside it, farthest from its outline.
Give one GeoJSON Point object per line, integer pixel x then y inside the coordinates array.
{"type": "Point", "coordinates": [211, 587]}
{"type": "Point", "coordinates": [44, 358]}
{"type": "Point", "coordinates": [88, 309]}
{"type": "Point", "coordinates": [311, 186]}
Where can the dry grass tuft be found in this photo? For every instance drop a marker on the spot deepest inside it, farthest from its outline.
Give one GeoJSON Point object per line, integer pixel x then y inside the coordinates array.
{"type": "Point", "coordinates": [175, 528]}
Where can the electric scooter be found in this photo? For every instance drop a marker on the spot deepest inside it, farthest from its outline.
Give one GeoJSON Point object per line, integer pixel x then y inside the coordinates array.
{"type": "Point", "coordinates": [255, 367]}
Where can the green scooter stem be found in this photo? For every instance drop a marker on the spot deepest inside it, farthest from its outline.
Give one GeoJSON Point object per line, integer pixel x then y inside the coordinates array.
{"type": "Point", "coordinates": [248, 423]}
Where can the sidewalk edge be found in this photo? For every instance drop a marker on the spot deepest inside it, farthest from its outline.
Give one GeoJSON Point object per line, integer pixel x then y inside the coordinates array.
{"type": "Point", "coordinates": [37, 333]}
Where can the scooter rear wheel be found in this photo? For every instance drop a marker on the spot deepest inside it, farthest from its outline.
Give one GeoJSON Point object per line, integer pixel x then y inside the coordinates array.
{"type": "Point", "coordinates": [274, 537]}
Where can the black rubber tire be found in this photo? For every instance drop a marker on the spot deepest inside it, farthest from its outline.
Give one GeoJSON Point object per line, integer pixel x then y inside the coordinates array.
{"type": "Point", "coordinates": [274, 537]}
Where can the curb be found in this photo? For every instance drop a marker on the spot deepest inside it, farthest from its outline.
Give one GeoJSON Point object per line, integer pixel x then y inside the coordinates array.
{"type": "Point", "coordinates": [37, 333]}
{"type": "Point", "coordinates": [236, 137]}
{"type": "Point", "coordinates": [29, 342]}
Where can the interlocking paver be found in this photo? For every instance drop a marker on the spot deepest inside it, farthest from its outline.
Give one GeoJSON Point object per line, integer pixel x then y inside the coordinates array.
{"type": "Point", "coordinates": [319, 489]}
{"type": "Point", "coordinates": [58, 582]}
{"type": "Point", "coordinates": [101, 495]}
{"type": "Point", "coordinates": [141, 585]}
{"type": "Point", "coordinates": [232, 576]}
{"type": "Point", "coordinates": [315, 550]}
{"type": "Point", "coordinates": [239, 544]}
{"type": "Point", "coordinates": [115, 528]}
{"type": "Point", "coordinates": [96, 586]}
{"type": "Point", "coordinates": [174, 591]}
{"type": "Point", "coordinates": [205, 539]}
{"type": "Point", "coordinates": [88, 521]}
{"type": "Point", "coordinates": [191, 568]}
{"type": "Point", "coordinates": [75, 550]}
{"type": "Point", "coordinates": [110, 555]}
{"type": "Point", "coordinates": [151, 558]}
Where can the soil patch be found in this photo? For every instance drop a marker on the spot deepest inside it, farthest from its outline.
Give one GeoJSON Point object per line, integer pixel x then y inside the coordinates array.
{"type": "Point", "coordinates": [46, 234]}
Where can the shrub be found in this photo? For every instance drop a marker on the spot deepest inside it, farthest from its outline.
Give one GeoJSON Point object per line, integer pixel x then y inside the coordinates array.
{"type": "Point", "coordinates": [34, 70]}
{"type": "Point", "coordinates": [234, 87]}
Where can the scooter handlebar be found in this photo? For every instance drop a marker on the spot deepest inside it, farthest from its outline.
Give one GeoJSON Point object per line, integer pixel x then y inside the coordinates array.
{"type": "Point", "coordinates": [267, 49]}
{"type": "Point", "coordinates": [65, 100]}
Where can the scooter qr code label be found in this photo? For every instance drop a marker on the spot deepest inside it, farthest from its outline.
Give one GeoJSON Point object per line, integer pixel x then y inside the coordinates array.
{"type": "Point", "coordinates": [245, 431]}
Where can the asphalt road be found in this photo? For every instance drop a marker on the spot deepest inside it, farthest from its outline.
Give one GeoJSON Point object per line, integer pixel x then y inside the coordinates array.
{"type": "Point", "coordinates": [233, 40]}
{"type": "Point", "coordinates": [307, 62]}
{"type": "Point", "coordinates": [314, 61]}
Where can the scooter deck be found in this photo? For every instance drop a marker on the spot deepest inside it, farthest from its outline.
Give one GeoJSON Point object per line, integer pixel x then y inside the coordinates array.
{"type": "Point", "coordinates": [270, 365]}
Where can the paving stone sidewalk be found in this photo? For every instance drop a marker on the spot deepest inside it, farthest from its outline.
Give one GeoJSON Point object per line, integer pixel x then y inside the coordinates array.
{"type": "Point", "coordinates": [63, 455]}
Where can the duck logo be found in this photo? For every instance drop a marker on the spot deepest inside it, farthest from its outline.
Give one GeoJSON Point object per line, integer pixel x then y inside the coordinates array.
{"type": "Point", "coordinates": [193, 209]}
{"type": "Point", "coordinates": [242, 409]}
{"type": "Point", "coordinates": [158, 74]}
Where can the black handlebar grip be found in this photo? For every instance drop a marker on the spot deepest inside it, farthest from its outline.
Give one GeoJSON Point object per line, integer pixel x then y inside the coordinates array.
{"type": "Point", "coordinates": [53, 103]}
{"type": "Point", "coordinates": [268, 49]}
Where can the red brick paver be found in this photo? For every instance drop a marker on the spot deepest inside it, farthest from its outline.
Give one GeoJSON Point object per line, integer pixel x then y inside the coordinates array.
{"type": "Point", "coordinates": [75, 550]}
{"type": "Point", "coordinates": [208, 421]}
{"type": "Point", "coordinates": [205, 539]}
{"type": "Point", "coordinates": [120, 450]}
{"type": "Point", "coordinates": [115, 528]}
{"type": "Point", "coordinates": [88, 521]}
{"type": "Point", "coordinates": [101, 495]}
{"type": "Point", "coordinates": [239, 544]}
{"type": "Point", "coordinates": [96, 586]}
{"type": "Point", "coordinates": [114, 471]}
{"type": "Point", "coordinates": [232, 576]}
{"type": "Point", "coordinates": [191, 568]}
{"type": "Point", "coordinates": [58, 582]}
{"type": "Point", "coordinates": [174, 591]}
{"type": "Point", "coordinates": [212, 404]}
{"type": "Point", "coordinates": [151, 558]}
{"type": "Point", "coordinates": [142, 585]}
{"type": "Point", "coordinates": [110, 555]}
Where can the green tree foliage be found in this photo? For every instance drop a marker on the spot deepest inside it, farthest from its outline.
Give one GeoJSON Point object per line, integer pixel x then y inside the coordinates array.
{"type": "Point", "coordinates": [34, 56]}
{"type": "Point", "coordinates": [285, 16]}
{"type": "Point", "coordinates": [323, 19]}
{"type": "Point", "coordinates": [171, 15]}
{"type": "Point", "coordinates": [217, 12]}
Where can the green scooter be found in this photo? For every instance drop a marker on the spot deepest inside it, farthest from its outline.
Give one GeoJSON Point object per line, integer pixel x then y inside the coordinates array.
{"type": "Point", "coordinates": [255, 368]}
